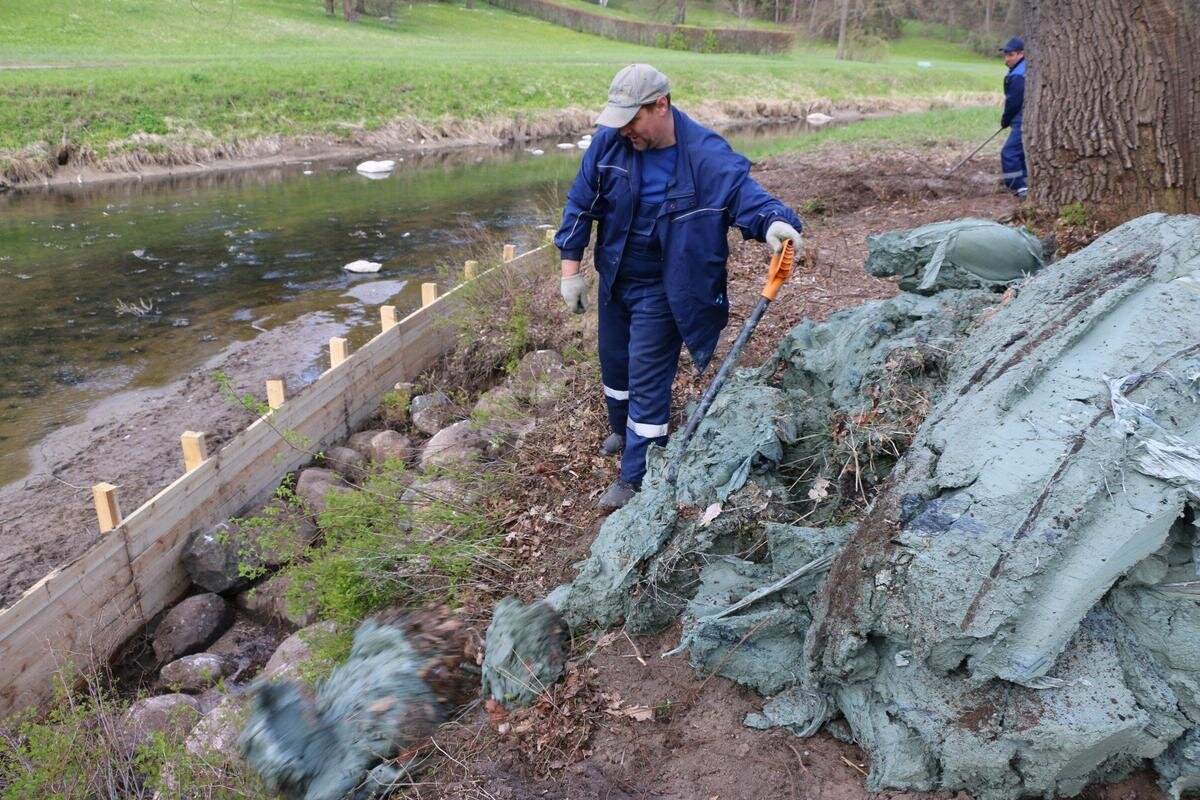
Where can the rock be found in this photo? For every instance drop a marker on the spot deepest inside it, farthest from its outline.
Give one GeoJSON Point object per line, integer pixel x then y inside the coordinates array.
{"type": "Point", "coordinates": [268, 601]}
{"type": "Point", "coordinates": [216, 734]}
{"type": "Point", "coordinates": [294, 650]}
{"type": "Point", "coordinates": [194, 673]}
{"type": "Point", "coordinates": [540, 379]}
{"type": "Point", "coordinates": [456, 444]}
{"type": "Point", "coordinates": [382, 446]}
{"type": "Point", "coordinates": [171, 714]}
{"type": "Point", "coordinates": [363, 266]}
{"type": "Point", "coordinates": [361, 442]}
{"type": "Point", "coordinates": [431, 412]}
{"type": "Point", "coordinates": [228, 556]}
{"type": "Point", "coordinates": [313, 487]}
{"type": "Point", "coordinates": [347, 462]}
{"type": "Point", "coordinates": [191, 625]}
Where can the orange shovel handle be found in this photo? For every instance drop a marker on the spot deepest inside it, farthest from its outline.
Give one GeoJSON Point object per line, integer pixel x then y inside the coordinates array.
{"type": "Point", "coordinates": [781, 267]}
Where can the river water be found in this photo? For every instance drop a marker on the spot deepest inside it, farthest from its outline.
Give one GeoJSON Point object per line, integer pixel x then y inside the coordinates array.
{"type": "Point", "coordinates": [220, 257]}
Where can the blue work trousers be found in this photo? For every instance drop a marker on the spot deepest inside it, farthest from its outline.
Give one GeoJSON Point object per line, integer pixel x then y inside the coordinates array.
{"type": "Point", "coordinates": [639, 353]}
{"type": "Point", "coordinates": [1012, 159]}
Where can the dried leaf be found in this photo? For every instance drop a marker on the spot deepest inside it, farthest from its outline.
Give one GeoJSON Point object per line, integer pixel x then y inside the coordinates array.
{"type": "Point", "coordinates": [710, 513]}
{"type": "Point", "coordinates": [639, 713]}
{"type": "Point", "coordinates": [820, 489]}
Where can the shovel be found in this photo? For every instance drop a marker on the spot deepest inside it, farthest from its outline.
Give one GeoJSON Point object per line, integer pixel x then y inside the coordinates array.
{"type": "Point", "coordinates": [781, 267]}
{"type": "Point", "coordinates": [954, 169]}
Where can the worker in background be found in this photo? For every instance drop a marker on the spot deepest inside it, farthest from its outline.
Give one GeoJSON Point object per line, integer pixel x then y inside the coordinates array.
{"type": "Point", "coordinates": [1012, 155]}
{"type": "Point", "coordinates": [664, 191]}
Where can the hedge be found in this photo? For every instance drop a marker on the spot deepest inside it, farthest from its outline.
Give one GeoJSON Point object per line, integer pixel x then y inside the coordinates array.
{"type": "Point", "coordinates": [654, 34]}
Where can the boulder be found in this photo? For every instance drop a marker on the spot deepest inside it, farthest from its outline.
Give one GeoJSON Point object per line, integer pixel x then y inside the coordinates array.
{"type": "Point", "coordinates": [314, 485]}
{"type": "Point", "coordinates": [194, 673]}
{"type": "Point", "coordinates": [191, 625]}
{"type": "Point", "coordinates": [171, 714]}
{"type": "Point", "coordinates": [431, 412]}
{"type": "Point", "coordinates": [294, 650]}
{"type": "Point", "coordinates": [228, 556]}
{"type": "Point", "coordinates": [390, 446]}
{"type": "Point", "coordinates": [268, 601]}
{"type": "Point", "coordinates": [459, 443]}
{"type": "Point", "coordinates": [347, 462]}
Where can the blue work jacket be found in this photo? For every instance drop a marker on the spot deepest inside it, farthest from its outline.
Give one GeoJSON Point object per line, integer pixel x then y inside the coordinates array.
{"type": "Point", "coordinates": [712, 191]}
{"type": "Point", "coordinates": [1014, 95]}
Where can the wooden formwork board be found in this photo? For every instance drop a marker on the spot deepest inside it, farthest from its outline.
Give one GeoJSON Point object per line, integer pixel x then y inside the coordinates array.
{"type": "Point", "coordinates": [92, 605]}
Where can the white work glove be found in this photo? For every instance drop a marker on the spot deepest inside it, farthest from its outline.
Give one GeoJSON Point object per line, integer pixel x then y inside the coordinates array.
{"type": "Point", "coordinates": [780, 230]}
{"type": "Point", "coordinates": [574, 290]}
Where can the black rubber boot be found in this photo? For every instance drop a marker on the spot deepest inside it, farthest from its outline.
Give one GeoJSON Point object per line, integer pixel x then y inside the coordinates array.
{"type": "Point", "coordinates": [616, 495]}
{"type": "Point", "coordinates": [612, 445]}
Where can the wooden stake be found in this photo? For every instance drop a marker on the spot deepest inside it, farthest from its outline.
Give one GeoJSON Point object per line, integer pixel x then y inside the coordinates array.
{"type": "Point", "coordinates": [549, 234]}
{"type": "Point", "coordinates": [428, 293]}
{"type": "Point", "coordinates": [469, 269]}
{"type": "Point", "coordinates": [387, 315]}
{"type": "Point", "coordinates": [339, 351]}
{"type": "Point", "coordinates": [510, 252]}
{"type": "Point", "coordinates": [194, 449]}
{"type": "Point", "coordinates": [108, 512]}
{"type": "Point", "coordinates": [275, 393]}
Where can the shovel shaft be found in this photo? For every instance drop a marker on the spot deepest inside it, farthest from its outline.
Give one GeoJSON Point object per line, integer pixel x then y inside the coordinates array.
{"type": "Point", "coordinates": [710, 394]}
{"type": "Point", "coordinates": [971, 154]}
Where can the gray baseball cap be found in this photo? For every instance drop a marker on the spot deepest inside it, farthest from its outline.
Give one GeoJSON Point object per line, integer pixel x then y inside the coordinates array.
{"type": "Point", "coordinates": [634, 87]}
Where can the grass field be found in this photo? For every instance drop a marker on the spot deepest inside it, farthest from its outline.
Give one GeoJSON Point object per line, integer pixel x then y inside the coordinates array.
{"type": "Point", "coordinates": [98, 72]}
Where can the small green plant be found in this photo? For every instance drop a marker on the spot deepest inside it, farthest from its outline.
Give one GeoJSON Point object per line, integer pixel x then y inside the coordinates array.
{"type": "Point", "coordinates": [677, 41]}
{"type": "Point", "coordinates": [148, 122]}
{"type": "Point", "coordinates": [258, 408]}
{"type": "Point", "coordinates": [710, 44]}
{"type": "Point", "coordinates": [1073, 215]}
{"type": "Point", "coordinates": [381, 547]}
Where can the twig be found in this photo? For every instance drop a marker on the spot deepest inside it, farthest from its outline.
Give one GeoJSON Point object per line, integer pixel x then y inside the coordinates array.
{"type": "Point", "coordinates": [803, 768]}
{"type": "Point", "coordinates": [636, 653]}
{"type": "Point", "coordinates": [856, 766]}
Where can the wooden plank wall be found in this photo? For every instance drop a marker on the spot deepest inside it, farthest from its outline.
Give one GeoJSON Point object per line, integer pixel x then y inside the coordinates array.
{"type": "Point", "coordinates": [95, 603]}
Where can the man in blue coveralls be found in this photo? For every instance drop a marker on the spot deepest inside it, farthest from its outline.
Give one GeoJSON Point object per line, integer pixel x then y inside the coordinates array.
{"type": "Point", "coordinates": [1012, 155]}
{"type": "Point", "coordinates": [664, 191]}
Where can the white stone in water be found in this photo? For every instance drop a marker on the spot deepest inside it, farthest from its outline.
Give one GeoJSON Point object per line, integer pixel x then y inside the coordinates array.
{"type": "Point", "coordinates": [583, 144]}
{"type": "Point", "coordinates": [362, 266]}
{"type": "Point", "coordinates": [565, 146]}
{"type": "Point", "coordinates": [376, 166]}
{"type": "Point", "coordinates": [535, 152]}
{"type": "Point", "coordinates": [817, 118]}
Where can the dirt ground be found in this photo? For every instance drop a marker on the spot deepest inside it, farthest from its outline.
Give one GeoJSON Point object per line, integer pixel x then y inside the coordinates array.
{"type": "Point", "coordinates": [625, 723]}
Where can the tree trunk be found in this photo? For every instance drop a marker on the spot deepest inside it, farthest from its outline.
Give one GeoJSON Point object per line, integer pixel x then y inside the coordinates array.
{"type": "Point", "coordinates": [360, 7]}
{"type": "Point", "coordinates": [987, 18]}
{"type": "Point", "coordinates": [329, 7]}
{"type": "Point", "coordinates": [348, 11]}
{"type": "Point", "coordinates": [1112, 101]}
{"type": "Point", "coordinates": [680, 12]}
{"type": "Point", "coordinates": [841, 48]}
{"type": "Point", "coordinates": [812, 17]}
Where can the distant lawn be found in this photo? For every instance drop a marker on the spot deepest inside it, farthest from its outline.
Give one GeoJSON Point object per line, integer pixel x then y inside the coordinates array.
{"type": "Point", "coordinates": [959, 127]}
{"type": "Point", "coordinates": [222, 70]}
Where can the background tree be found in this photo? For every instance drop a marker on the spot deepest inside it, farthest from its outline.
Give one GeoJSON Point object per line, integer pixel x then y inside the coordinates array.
{"type": "Point", "coordinates": [1112, 105]}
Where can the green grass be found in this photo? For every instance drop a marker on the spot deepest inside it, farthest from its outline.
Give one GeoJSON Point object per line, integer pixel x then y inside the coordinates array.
{"type": "Point", "coordinates": [950, 127]}
{"type": "Point", "coordinates": [224, 70]}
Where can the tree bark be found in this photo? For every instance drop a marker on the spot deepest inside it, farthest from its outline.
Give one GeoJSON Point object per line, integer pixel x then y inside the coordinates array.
{"type": "Point", "coordinates": [329, 7]}
{"type": "Point", "coordinates": [348, 11]}
{"type": "Point", "coordinates": [841, 48]}
{"type": "Point", "coordinates": [680, 12]}
{"type": "Point", "coordinates": [1112, 102]}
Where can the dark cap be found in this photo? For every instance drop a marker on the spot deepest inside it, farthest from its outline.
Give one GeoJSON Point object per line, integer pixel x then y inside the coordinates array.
{"type": "Point", "coordinates": [1013, 45]}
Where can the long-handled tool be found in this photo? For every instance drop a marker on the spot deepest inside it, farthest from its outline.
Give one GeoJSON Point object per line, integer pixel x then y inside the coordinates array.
{"type": "Point", "coordinates": [954, 169]}
{"type": "Point", "coordinates": [781, 267]}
